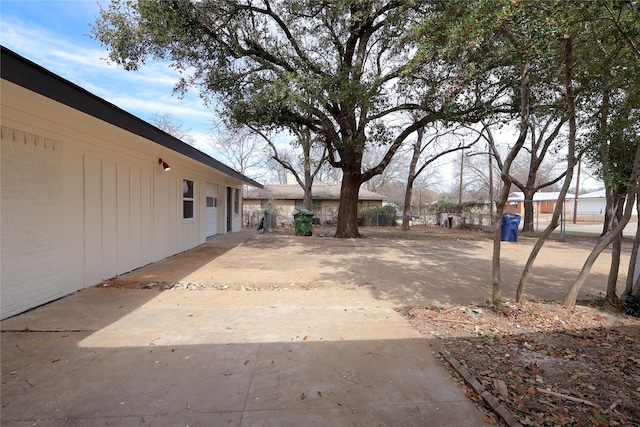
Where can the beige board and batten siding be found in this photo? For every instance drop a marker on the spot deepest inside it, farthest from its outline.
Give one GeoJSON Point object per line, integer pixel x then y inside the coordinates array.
{"type": "Point", "coordinates": [84, 200]}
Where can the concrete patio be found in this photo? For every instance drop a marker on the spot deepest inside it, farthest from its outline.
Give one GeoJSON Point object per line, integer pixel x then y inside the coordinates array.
{"type": "Point", "coordinates": [304, 333]}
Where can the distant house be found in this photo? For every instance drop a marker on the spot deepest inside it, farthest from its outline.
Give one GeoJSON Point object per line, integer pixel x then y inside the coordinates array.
{"type": "Point", "coordinates": [89, 191]}
{"type": "Point", "coordinates": [543, 202]}
{"type": "Point", "coordinates": [281, 200]}
{"type": "Point", "coordinates": [593, 204]}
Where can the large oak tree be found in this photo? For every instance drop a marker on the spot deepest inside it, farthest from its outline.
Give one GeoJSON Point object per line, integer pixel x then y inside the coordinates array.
{"type": "Point", "coordinates": [339, 68]}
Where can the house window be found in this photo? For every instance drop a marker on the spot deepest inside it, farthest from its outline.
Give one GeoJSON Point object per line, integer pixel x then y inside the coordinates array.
{"type": "Point", "coordinates": [236, 202]}
{"type": "Point", "coordinates": [187, 199]}
{"type": "Point", "coordinates": [212, 202]}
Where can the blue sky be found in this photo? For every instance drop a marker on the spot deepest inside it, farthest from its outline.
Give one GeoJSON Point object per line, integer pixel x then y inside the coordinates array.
{"type": "Point", "coordinates": [55, 35]}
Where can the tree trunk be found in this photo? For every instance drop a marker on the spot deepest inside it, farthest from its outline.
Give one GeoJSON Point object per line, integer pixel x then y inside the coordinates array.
{"type": "Point", "coordinates": [635, 291]}
{"type": "Point", "coordinates": [348, 210]}
{"type": "Point", "coordinates": [612, 282]}
{"type": "Point", "coordinates": [527, 225]}
{"type": "Point", "coordinates": [496, 292]}
{"type": "Point", "coordinates": [524, 278]}
{"type": "Point", "coordinates": [408, 194]}
{"type": "Point", "coordinates": [617, 209]}
{"type": "Point", "coordinates": [506, 179]}
{"type": "Point", "coordinates": [406, 211]}
{"type": "Point", "coordinates": [631, 273]}
{"type": "Point", "coordinates": [568, 84]}
{"type": "Point", "coordinates": [307, 201]}
{"type": "Point", "coordinates": [571, 296]}
{"type": "Point", "coordinates": [636, 287]}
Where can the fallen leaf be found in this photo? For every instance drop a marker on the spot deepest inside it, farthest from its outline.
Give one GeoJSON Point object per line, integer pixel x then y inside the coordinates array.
{"type": "Point", "coordinates": [305, 338]}
{"type": "Point", "coordinates": [246, 362]}
{"type": "Point", "coordinates": [319, 393]}
{"type": "Point", "coordinates": [302, 396]}
{"type": "Point", "coordinates": [501, 387]}
{"type": "Point", "coordinates": [614, 404]}
{"type": "Point", "coordinates": [489, 420]}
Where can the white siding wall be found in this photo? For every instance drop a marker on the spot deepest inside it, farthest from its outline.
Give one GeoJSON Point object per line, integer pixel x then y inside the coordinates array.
{"type": "Point", "coordinates": [83, 201]}
{"type": "Point", "coordinates": [32, 218]}
{"type": "Point", "coordinates": [589, 206]}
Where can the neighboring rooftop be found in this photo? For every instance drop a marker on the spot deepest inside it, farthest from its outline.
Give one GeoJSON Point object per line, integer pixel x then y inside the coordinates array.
{"type": "Point", "coordinates": [319, 190]}
{"type": "Point", "coordinates": [540, 196]}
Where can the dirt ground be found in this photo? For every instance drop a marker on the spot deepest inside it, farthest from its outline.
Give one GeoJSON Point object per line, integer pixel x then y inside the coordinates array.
{"type": "Point", "coordinates": [548, 366]}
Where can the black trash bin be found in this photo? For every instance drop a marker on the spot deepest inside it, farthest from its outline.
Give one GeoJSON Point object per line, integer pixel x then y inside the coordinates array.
{"type": "Point", "coordinates": [509, 229]}
{"type": "Point", "coordinates": [303, 219]}
{"type": "Point", "coordinates": [632, 305]}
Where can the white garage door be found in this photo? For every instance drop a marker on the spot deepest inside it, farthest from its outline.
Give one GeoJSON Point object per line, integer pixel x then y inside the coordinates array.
{"type": "Point", "coordinates": [212, 209]}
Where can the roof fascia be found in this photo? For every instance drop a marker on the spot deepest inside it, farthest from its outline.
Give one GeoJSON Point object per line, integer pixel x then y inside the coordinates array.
{"type": "Point", "coordinates": [29, 75]}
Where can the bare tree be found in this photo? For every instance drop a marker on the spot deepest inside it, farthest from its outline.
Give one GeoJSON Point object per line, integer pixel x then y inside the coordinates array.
{"type": "Point", "coordinates": [394, 172]}
{"type": "Point", "coordinates": [172, 125]}
{"type": "Point", "coordinates": [278, 174]}
{"type": "Point", "coordinates": [314, 155]}
{"type": "Point", "coordinates": [241, 150]}
{"type": "Point", "coordinates": [543, 134]}
{"type": "Point", "coordinates": [571, 296]}
{"type": "Point", "coordinates": [570, 100]}
{"type": "Point", "coordinates": [439, 143]}
{"type": "Point", "coordinates": [505, 168]}
{"type": "Point", "coordinates": [478, 174]}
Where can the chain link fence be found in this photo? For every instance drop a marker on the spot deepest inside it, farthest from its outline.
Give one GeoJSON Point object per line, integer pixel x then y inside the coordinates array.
{"type": "Point", "coordinates": [444, 215]}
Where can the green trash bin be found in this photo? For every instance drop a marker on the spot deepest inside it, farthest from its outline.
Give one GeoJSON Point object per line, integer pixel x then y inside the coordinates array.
{"type": "Point", "coordinates": [303, 219]}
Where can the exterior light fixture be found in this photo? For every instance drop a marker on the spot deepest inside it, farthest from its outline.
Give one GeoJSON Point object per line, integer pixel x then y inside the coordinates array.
{"type": "Point", "coordinates": [165, 166]}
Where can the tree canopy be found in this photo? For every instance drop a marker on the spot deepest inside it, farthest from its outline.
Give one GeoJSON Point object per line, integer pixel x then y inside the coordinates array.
{"type": "Point", "coordinates": [343, 69]}
{"type": "Point", "coordinates": [362, 76]}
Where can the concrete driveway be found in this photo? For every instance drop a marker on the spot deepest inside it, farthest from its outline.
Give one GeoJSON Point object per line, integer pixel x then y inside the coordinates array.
{"type": "Point", "coordinates": [290, 331]}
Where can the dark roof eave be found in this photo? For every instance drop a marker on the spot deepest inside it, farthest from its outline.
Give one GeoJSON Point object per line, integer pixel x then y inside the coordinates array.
{"type": "Point", "coordinates": [23, 72]}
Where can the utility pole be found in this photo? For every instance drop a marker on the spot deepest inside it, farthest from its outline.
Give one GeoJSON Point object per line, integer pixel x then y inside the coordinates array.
{"type": "Point", "coordinates": [490, 186]}
{"type": "Point", "coordinates": [461, 176]}
{"type": "Point", "coordinates": [575, 198]}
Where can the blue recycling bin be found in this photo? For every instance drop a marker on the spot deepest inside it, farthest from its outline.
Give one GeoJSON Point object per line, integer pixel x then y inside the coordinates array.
{"type": "Point", "coordinates": [509, 229]}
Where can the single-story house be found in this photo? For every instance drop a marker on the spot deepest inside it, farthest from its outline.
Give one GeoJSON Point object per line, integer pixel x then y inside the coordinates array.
{"type": "Point", "coordinates": [544, 202]}
{"type": "Point", "coordinates": [89, 191]}
{"type": "Point", "coordinates": [593, 204]}
{"type": "Point", "coordinates": [281, 200]}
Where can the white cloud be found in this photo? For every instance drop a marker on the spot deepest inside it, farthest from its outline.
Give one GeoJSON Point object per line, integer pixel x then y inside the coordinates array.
{"type": "Point", "coordinates": [142, 93]}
